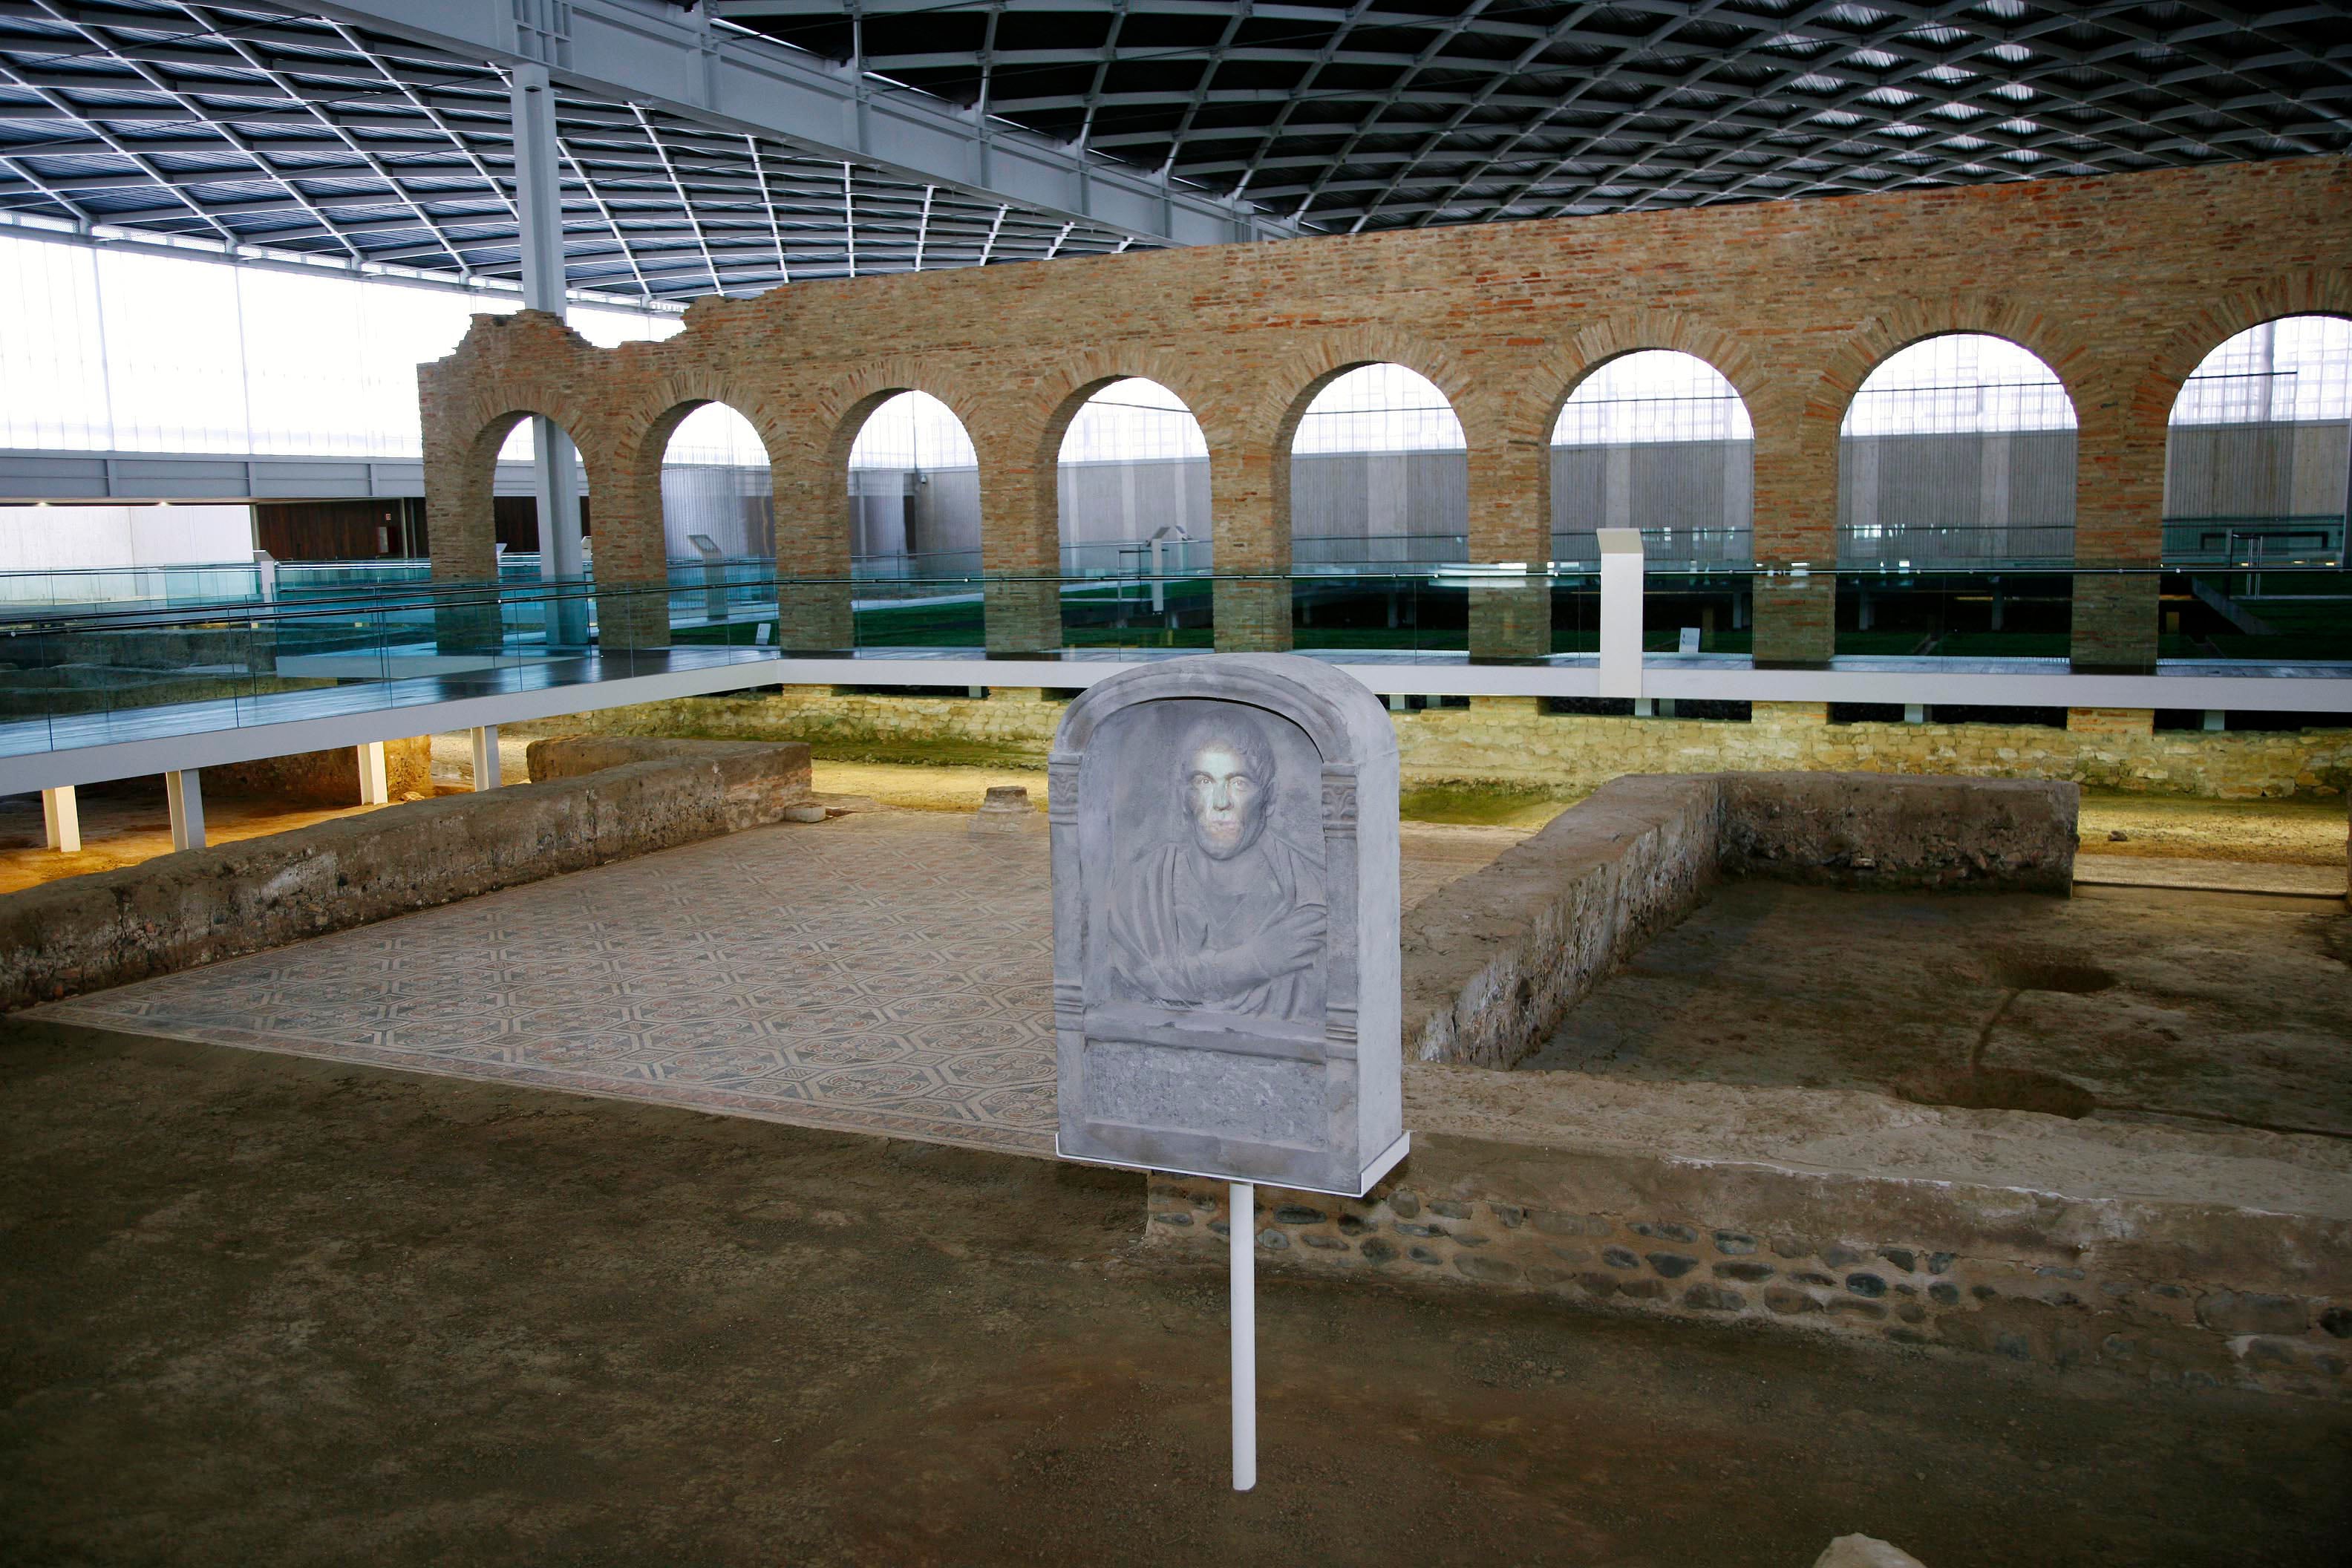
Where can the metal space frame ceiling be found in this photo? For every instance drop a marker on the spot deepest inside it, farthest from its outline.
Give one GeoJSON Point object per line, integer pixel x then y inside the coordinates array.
{"type": "Point", "coordinates": [253, 127]}
{"type": "Point", "coordinates": [1352, 115]}
{"type": "Point", "coordinates": [249, 125]}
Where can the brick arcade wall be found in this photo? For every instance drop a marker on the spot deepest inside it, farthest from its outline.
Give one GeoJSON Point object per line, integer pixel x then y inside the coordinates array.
{"type": "Point", "coordinates": [2122, 284]}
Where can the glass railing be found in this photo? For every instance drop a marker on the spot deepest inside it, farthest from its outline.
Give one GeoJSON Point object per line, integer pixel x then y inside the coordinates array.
{"type": "Point", "coordinates": [85, 675]}
{"type": "Point", "coordinates": [2308, 540]}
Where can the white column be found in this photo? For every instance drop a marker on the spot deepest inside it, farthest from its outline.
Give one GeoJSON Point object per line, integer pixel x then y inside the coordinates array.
{"type": "Point", "coordinates": [1240, 1241]}
{"type": "Point", "coordinates": [1621, 612]}
{"type": "Point", "coordinates": [375, 789]}
{"type": "Point", "coordinates": [183, 793]}
{"type": "Point", "coordinates": [61, 820]}
{"type": "Point", "coordinates": [485, 756]}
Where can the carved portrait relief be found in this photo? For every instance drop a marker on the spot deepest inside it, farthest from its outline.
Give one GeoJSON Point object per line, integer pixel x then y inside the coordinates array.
{"type": "Point", "coordinates": [1215, 897]}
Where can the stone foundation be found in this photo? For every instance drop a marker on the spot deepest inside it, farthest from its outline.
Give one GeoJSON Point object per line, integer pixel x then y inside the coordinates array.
{"type": "Point", "coordinates": [2187, 1294]}
{"type": "Point", "coordinates": [1499, 742]}
{"type": "Point", "coordinates": [84, 933]}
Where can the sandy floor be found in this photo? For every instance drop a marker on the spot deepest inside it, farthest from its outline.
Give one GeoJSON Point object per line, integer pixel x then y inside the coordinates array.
{"type": "Point", "coordinates": [2205, 1008]}
{"type": "Point", "coordinates": [265, 1310]}
{"type": "Point", "coordinates": [2292, 832]}
{"type": "Point", "coordinates": [126, 822]}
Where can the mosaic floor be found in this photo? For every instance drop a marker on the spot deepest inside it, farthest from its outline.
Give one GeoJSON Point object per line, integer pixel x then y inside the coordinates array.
{"type": "Point", "coordinates": [882, 973]}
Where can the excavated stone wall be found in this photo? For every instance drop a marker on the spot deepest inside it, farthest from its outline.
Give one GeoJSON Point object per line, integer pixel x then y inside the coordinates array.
{"type": "Point", "coordinates": [2178, 1293]}
{"type": "Point", "coordinates": [84, 933]}
{"type": "Point", "coordinates": [1494, 961]}
{"type": "Point", "coordinates": [1510, 742]}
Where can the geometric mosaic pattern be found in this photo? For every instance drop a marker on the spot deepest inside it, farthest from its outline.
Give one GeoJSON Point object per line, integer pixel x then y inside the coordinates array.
{"type": "Point", "coordinates": [880, 974]}
{"type": "Point", "coordinates": [873, 974]}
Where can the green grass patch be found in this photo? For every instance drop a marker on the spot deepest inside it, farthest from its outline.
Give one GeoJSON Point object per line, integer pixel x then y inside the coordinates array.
{"type": "Point", "coordinates": [1482, 805]}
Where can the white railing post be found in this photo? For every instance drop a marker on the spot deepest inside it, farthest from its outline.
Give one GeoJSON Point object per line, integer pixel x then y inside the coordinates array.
{"type": "Point", "coordinates": [1621, 612]}
{"type": "Point", "coordinates": [375, 789]}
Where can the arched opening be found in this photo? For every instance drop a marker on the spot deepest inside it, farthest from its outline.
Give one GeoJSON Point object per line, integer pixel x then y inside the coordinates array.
{"type": "Point", "coordinates": [540, 526]}
{"type": "Point", "coordinates": [718, 530]}
{"type": "Point", "coordinates": [1661, 442]}
{"type": "Point", "coordinates": [1379, 507]}
{"type": "Point", "coordinates": [914, 504]}
{"type": "Point", "coordinates": [1131, 490]}
{"type": "Point", "coordinates": [1955, 503]}
{"type": "Point", "coordinates": [2258, 476]}
{"type": "Point", "coordinates": [515, 502]}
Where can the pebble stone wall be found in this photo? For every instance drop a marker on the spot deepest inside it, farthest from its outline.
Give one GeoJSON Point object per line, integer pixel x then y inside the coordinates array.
{"type": "Point", "coordinates": [2121, 284]}
{"type": "Point", "coordinates": [1511, 741]}
{"type": "Point", "coordinates": [2046, 1304]}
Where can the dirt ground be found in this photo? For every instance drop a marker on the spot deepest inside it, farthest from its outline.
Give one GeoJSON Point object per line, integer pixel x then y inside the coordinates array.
{"type": "Point", "coordinates": [2219, 1008]}
{"type": "Point", "coordinates": [263, 1310]}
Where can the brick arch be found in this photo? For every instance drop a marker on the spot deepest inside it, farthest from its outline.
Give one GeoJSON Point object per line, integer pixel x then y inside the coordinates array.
{"type": "Point", "coordinates": [1060, 394]}
{"type": "Point", "coordinates": [1545, 390]}
{"type": "Point", "coordinates": [839, 409]}
{"type": "Point", "coordinates": [463, 454]}
{"type": "Point", "coordinates": [1291, 381]}
{"type": "Point", "coordinates": [2157, 386]}
{"type": "Point", "coordinates": [2059, 346]}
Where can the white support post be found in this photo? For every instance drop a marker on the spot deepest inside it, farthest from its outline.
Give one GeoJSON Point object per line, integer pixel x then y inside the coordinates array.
{"type": "Point", "coordinates": [1621, 612]}
{"type": "Point", "coordinates": [375, 789]}
{"type": "Point", "coordinates": [61, 820]}
{"type": "Point", "coordinates": [1242, 1242]}
{"type": "Point", "coordinates": [485, 756]}
{"type": "Point", "coordinates": [183, 793]}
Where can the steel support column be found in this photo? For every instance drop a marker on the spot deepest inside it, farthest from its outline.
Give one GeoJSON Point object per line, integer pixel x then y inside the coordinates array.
{"type": "Point", "coordinates": [554, 465]}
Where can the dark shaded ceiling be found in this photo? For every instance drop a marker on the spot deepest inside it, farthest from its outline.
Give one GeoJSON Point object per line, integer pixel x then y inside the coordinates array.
{"type": "Point", "coordinates": [1376, 114]}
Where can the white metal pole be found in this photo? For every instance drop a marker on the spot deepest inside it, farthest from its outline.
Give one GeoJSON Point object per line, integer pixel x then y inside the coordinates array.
{"type": "Point", "coordinates": [1242, 1224]}
{"type": "Point", "coordinates": [485, 756]}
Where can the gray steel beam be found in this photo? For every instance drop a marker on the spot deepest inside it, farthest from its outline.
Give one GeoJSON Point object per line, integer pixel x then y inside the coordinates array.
{"type": "Point", "coordinates": [651, 52]}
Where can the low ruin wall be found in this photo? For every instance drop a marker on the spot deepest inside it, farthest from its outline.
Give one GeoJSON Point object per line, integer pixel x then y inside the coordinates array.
{"type": "Point", "coordinates": [84, 933]}
{"type": "Point", "coordinates": [1512, 742]}
{"type": "Point", "coordinates": [1493, 961]}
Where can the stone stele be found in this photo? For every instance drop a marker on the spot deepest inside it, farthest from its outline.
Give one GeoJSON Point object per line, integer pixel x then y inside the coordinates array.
{"type": "Point", "coordinates": [1226, 999]}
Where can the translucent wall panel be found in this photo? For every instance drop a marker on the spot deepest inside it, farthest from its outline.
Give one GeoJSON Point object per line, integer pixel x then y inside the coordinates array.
{"type": "Point", "coordinates": [716, 483]}
{"type": "Point", "coordinates": [1958, 451]}
{"type": "Point", "coordinates": [1378, 474]}
{"type": "Point", "coordinates": [1134, 466]}
{"type": "Point", "coordinates": [2299, 368]}
{"type": "Point", "coordinates": [1378, 408]}
{"type": "Point", "coordinates": [1661, 442]}
{"type": "Point", "coordinates": [1963, 383]}
{"type": "Point", "coordinates": [1131, 420]}
{"type": "Point", "coordinates": [913, 430]}
{"type": "Point", "coordinates": [85, 539]}
{"type": "Point", "coordinates": [124, 350]}
{"type": "Point", "coordinates": [914, 486]}
{"type": "Point", "coordinates": [1654, 395]}
{"type": "Point", "coordinates": [2258, 461]}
